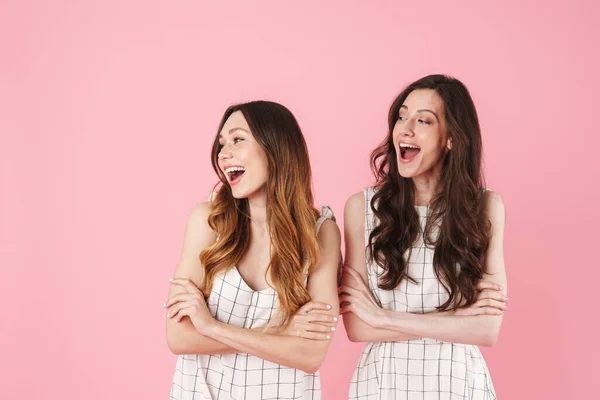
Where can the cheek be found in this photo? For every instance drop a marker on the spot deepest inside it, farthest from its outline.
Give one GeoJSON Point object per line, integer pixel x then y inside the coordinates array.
{"type": "Point", "coordinates": [396, 132]}
{"type": "Point", "coordinates": [260, 162]}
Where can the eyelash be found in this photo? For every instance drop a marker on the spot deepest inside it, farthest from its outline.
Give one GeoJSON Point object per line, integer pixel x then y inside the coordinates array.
{"type": "Point", "coordinates": [235, 141]}
{"type": "Point", "coordinates": [401, 118]}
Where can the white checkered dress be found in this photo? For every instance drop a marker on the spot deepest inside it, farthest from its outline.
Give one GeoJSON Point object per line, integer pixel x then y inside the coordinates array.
{"type": "Point", "coordinates": [416, 369]}
{"type": "Point", "coordinates": [242, 376]}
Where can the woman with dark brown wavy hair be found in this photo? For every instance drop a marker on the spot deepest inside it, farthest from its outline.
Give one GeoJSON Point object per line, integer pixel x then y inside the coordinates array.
{"type": "Point", "coordinates": [424, 282]}
{"type": "Point", "coordinates": [253, 302]}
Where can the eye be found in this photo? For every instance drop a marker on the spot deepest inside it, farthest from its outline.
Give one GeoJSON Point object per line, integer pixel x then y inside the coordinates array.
{"type": "Point", "coordinates": [423, 121]}
{"type": "Point", "coordinates": [401, 118]}
{"type": "Point", "coordinates": [236, 140]}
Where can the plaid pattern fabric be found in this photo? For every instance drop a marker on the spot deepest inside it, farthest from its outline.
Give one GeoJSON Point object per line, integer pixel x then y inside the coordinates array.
{"type": "Point", "coordinates": [423, 369]}
{"type": "Point", "coordinates": [242, 376]}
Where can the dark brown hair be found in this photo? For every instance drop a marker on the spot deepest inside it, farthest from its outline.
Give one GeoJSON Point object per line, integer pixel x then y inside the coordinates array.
{"type": "Point", "coordinates": [457, 226]}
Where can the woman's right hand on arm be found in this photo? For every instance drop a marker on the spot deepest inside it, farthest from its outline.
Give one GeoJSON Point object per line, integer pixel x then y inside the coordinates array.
{"type": "Point", "coordinates": [310, 322]}
{"type": "Point", "coordinates": [489, 301]}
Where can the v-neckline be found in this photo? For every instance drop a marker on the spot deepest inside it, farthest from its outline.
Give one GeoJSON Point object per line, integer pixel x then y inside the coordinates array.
{"type": "Point", "coordinates": [267, 289]}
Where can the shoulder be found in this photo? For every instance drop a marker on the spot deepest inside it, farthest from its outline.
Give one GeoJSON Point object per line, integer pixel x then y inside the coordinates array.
{"type": "Point", "coordinates": [200, 212]}
{"type": "Point", "coordinates": [197, 223]}
{"type": "Point", "coordinates": [494, 206]}
{"type": "Point", "coordinates": [329, 234]}
{"type": "Point", "coordinates": [355, 205]}
{"type": "Point", "coordinates": [354, 210]}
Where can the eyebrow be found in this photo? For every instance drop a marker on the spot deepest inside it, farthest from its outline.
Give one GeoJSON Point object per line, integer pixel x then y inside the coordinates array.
{"type": "Point", "coordinates": [233, 130]}
{"type": "Point", "coordinates": [423, 110]}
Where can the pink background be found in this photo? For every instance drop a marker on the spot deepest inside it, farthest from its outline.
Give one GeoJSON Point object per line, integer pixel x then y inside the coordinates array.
{"type": "Point", "coordinates": [108, 110]}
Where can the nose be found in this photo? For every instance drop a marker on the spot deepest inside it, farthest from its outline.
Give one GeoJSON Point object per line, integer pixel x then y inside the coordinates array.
{"type": "Point", "coordinates": [407, 129]}
{"type": "Point", "coordinates": [225, 153]}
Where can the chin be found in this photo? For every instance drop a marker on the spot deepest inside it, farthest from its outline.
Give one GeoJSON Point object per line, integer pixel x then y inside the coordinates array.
{"type": "Point", "coordinates": [406, 171]}
{"type": "Point", "coordinates": [406, 174]}
{"type": "Point", "coordinates": [239, 194]}
{"type": "Point", "coordinates": [244, 193]}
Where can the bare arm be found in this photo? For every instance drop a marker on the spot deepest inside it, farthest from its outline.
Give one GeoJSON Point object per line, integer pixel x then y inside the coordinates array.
{"type": "Point", "coordinates": [354, 231]}
{"type": "Point", "coordinates": [301, 353]}
{"type": "Point", "coordinates": [478, 330]}
{"type": "Point", "coordinates": [182, 337]}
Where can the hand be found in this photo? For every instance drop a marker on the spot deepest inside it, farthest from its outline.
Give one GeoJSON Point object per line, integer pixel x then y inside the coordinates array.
{"type": "Point", "coordinates": [356, 297]}
{"type": "Point", "coordinates": [310, 322]}
{"type": "Point", "coordinates": [489, 301]}
{"type": "Point", "coordinates": [189, 304]}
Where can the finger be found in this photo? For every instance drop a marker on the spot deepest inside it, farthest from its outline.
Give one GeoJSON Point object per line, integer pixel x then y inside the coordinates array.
{"type": "Point", "coordinates": [319, 328]}
{"type": "Point", "coordinates": [184, 312]}
{"type": "Point", "coordinates": [486, 311]}
{"type": "Point", "coordinates": [178, 298]}
{"type": "Point", "coordinates": [314, 305]}
{"type": "Point", "coordinates": [349, 290]}
{"type": "Point", "coordinates": [346, 298]}
{"type": "Point", "coordinates": [347, 308]}
{"type": "Point", "coordinates": [315, 336]}
{"type": "Point", "coordinates": [186, 284]}
{"type": "Point", "coordinates": [500, 305]}
{"type": "Point", "coordinates": [481, 285]}
{"type": "Point", "coordinates": [176, 308]}
{"type": "Point", "coordinates": [324, 318]}
{"type": "Point", "coordinates": [491, 294]}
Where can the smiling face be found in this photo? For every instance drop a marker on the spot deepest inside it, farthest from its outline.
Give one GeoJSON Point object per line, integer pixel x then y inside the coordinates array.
{"type": "Point", "coordinates": [241, 158]}
{"type": "Point", "coordinates": [420, 136]}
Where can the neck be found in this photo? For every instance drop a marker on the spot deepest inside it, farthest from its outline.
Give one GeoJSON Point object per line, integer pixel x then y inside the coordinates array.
{"type": "Point", "coordinates": [426, 186]}
{"type": "Point", "coordinates": [258, 212]}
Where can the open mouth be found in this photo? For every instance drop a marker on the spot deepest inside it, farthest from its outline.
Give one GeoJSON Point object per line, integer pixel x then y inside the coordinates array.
{"type": "Point", "coordinates": [234, 174]}
{"type": "Point", "coordinates": [408, 151]}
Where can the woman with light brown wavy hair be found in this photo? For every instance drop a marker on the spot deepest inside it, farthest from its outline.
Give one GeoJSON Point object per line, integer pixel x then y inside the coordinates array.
{"type": "Point", "coordinates": [424, 282]}
{"type": "Point", "coordinates": [253, 301]}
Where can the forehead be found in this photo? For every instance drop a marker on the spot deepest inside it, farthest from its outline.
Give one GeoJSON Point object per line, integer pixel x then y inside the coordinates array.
{"type": "Point", "coordinates": [235, 121]}
{"type": "Point", "coordinates": [424, 99]}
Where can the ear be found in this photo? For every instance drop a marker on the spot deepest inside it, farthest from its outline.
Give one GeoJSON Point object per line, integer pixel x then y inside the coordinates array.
{"type": "Point", "coordinates": [449, 144]}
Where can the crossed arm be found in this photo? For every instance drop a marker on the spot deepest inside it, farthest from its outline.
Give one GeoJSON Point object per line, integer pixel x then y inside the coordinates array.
{"type": "Point", "coordinates": [365, 321]}
{"type": "Point", "coordinates": [191, 329]}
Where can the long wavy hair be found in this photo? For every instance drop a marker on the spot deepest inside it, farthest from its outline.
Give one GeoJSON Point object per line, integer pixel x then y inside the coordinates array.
{"type": "Point", "coordinates": [291, 216]}
{"type": "Point", "coordinates": [457, 227]}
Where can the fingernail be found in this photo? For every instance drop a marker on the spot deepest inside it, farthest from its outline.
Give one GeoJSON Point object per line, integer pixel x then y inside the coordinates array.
{"type": "Point", "coordinates": [335, 318]}
{"type": "Point", "coordinates": [328, 307]}
{"type": "Point", "coordinates": [170, 279]}
{"type": "Point", "coordinates": [328, 337]}
{"type": "Point", "coordinates": [333, 329]}
{"type": "Point", "coordinates": [164, 305]}
{"type": "Point", "coordinates": [168, 315]}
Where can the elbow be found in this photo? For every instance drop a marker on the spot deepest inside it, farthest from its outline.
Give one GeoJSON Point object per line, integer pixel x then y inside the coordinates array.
{"type": "Point", "coordinates": [354, 336]}
{"type": "Point", "coordinates": [174, 347]}
{"type": "Point", "coordinates": [313, 364]}
{"type": "Point", "coordinates": [174, 343]}
{"type": "Point", "coordinates": [311, 368]}
{"type": "Point", "coordinates": [490, 338]}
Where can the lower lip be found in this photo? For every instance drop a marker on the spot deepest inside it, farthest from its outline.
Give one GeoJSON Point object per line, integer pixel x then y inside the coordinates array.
{"type": "Point", "coordinates": [236, 180]}
{"type": "Point", "coordinates": [406, 161]}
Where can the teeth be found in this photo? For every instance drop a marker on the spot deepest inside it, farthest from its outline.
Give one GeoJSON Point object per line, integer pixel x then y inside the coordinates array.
{"type": "Point", "coordinates": [234, 169]}
{"type": "Point", "coordinates": [410, 146]}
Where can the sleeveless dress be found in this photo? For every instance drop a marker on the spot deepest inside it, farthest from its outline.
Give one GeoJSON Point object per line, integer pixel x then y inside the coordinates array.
{"type": "Point", "coordinates": [242, 376]}
{"type": "Point", "coordinates": [422, 368]}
